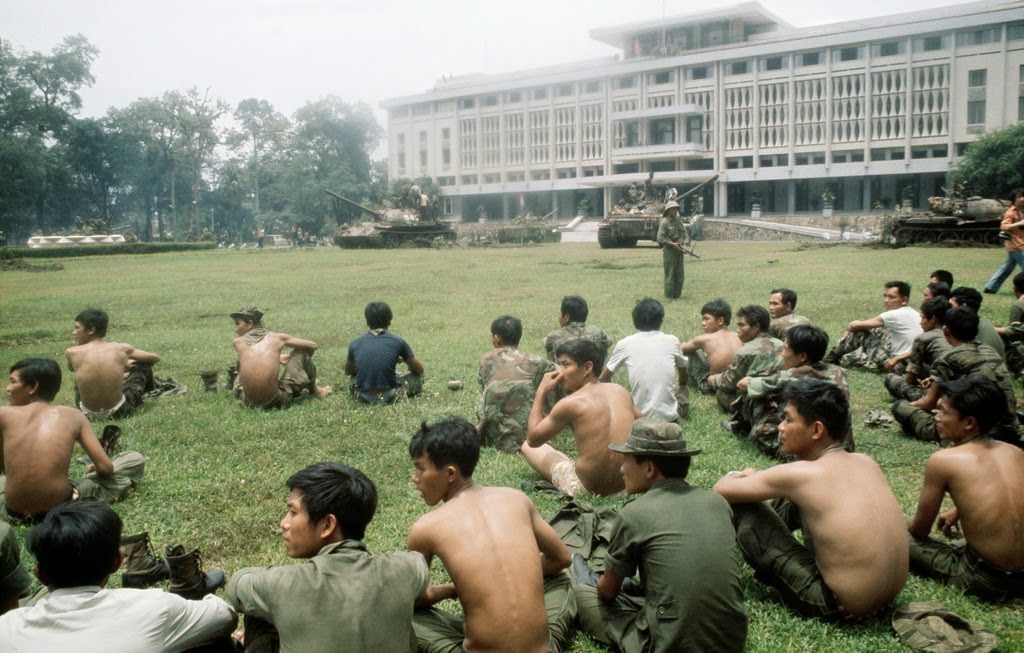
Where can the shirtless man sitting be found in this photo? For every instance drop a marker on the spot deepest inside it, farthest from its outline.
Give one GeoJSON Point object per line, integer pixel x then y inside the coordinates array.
{"type": "Point", "coordinates": [858, 561]}
{"type": "Point", "coordinates": [712, 351]}
{"type": "Point", "coordinates": [598, 414]}
{"type": "Point", "coordinates": [111, 378]}
{"type": "Point", "coordinates": [985, 480]}
{"type": "Point", "coordinates": [37, 440]}
{"type": "Point", "coordinates": [259, 362]}
{"type": "Point", "coordinates": [506, 563]}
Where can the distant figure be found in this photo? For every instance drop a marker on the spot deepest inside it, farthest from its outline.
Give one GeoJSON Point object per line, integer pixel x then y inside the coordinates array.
{"type": "Point", "coordinates": [712, 351]}
{"type": "Point", "coordinates": [671, 238]}
{"type": "Point", "coordinates": [259, 362]}
{"type": "Point", "coordinates": [781, 304]}
{"type": "Point", "coordinates": [882, 342]}
{"type": "Point", "coordinates": [1013, 225]}
{"type": "Point", "coordinates": [372, 358]}
{"type": "Point", "coordinates": [111, 378]}
{"type": "Point", "coordinates": [506, 563]}
{"type": "Point", "coordinates": [987, 334]}
{"type": "Point", "coordinates": [941, 276]}
{"type": "Point", "coordinates": [1013, 333]}
{"type": "Point", "coordinates": [572, 320]}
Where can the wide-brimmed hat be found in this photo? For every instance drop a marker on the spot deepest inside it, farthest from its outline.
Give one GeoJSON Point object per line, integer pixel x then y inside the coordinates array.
{"type": "Point", "coordinates": [927, 626]}
{"type": "Point", "coordinates": [249, 313]}
{"type": "Point", "coordinates": [670, 205]}
{"type": "Point", "coordinates": [650, 437]}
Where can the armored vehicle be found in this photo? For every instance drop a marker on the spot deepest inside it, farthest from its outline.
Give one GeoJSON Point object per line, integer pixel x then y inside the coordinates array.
{"type": "Point", "coordinates": [390, 227]}
{"type": "Point", "coordinates": [953, 220]}
{"type": "Point", "coordinates": [636, 217]}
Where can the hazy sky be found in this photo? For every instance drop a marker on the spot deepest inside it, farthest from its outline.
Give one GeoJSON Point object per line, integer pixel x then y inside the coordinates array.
{"type": "Point", "coordinates": [290, 52]}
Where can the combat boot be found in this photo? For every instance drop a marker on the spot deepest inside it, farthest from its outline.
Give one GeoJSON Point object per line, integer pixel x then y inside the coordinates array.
{"type": "Point", "coordinates": [111, 434]}
{"type": "Point", "coordinates": [209, 380]}
{"type": "Point", "coordinates": [142, 567]}
{"type": "Point", "coordinates": [187, 576]}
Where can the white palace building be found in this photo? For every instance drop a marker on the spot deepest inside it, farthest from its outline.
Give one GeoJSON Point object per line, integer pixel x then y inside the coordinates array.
{"type": "Point", "coordinates": [871, 111]}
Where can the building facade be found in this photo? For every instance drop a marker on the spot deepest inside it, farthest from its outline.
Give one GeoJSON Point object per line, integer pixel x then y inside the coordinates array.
{"type": "Point", "coordinates": [868, 113]}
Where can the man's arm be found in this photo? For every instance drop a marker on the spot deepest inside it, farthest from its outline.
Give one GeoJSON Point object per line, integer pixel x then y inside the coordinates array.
{"type": "Point", "coordinates": [297, 343]}
{"type": "Point", "coordinates": [540, 429]}
{"type": "Point", "coordinates": [87, 438]}
{"type": "Point", "coordinates": [609, 585]}
{"type": "Point", "coordinates": [930, 501]}
{"type": "Point", "coordinates": [421, 541]}
{"type": "Point", "coordinates": [930, 400]}
{"type": "Point", "coordinates": [864, 325]}
{"type": "Point", "coordinates": [692, 345]}
{"type": "Point", "coordinates": [751, 486]}
{"type": "Point", "coordinates": [606, 375]}
{"type": "Point", "coordinates": [415, 366]}
{"type": "Point", "coordinates": [140, 355]}
{"type": "Point", "coordinates": [554, 555]}
{"type": "Point", "coordinates": [896, 360]}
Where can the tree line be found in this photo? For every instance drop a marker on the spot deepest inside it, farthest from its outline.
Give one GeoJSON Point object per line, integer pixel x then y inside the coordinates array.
{"type": "Point", "coordinates": [180, 166]}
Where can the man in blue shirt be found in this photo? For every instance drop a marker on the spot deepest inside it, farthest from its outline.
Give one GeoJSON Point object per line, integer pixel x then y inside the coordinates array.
{"type": "Point", "coordinates": [372, 358]}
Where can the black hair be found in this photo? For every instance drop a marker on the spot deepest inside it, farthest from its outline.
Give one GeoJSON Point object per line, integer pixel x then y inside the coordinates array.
{"type": "Point", "coordinates": [962, 323]}
{"type": "Point", "coordinates": [718, 308]}
{"type": "Point", "coordinates": [508, 328]}
{"type": "Point", "coordinates": [669, 466]}
{"type": "Point", "coordinates": [935, 309]}
{"type": "Point", "coordinates": [76, 543]}
{"type": "Point", "coordinates": [945, 276]}
{"type": "Point", "coordinates": [755, 314]}
{"type": "Point", "coordinates": [1014, 194]}
{"type": "Point", "coordinates": [581, 351]}
{"type": "Point", "coordinates": [977, 396]}
{"type": "Point", "coordinates": [451, 441]}
{"type": "Point", "coordinates": [902, 287]}
{"type": "Point", "coordinates": [966, 296]}
{"type": "Point", "coordinates": [820, 401]}
{"type": "Point", "coordinates": [378, 315]}
{"type": "Point", "coordinates": [809, 340]}
{"type": "Point", "coordinates": [648, 314]}
{"type": "Point", "coordinates": [938, 289]}
{"type": "Point", "coordinates": [330, 488]}
{"type": "Point", "coordinates": [43, 371]}
{"type": "Point", "coordinates": [575, 307]}
{"type": "Point", "coordinates": [788, 296]}
{"type": "Point", "coordinates": [94, 318]}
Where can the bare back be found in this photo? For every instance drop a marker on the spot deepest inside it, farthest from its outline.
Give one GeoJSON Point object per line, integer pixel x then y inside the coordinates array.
{"type": "Point", "coordinates": [485, 536]}
{"type": "Point", "coordinates": [985, 479]}
{"type": "Point", "coordinates": [860, 537]}
{"type": "Point", "coordinates": [259, 366]}
{"type": "Point", "coordinates": [602, 413]}
{"type": "Point", "coordinates": [38, 440]}
{"type": "Point", "coordinates": [99, 367]}
{"type": "Point", "coordinates": [720, 346]}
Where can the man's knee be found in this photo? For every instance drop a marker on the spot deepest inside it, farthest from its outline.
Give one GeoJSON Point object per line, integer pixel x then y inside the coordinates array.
{"type": "Point", "coordinates": [915, 422]}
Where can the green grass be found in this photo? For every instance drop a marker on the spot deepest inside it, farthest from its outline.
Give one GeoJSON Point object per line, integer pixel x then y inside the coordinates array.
{"type": "Point", "coordinates": [215, 472]}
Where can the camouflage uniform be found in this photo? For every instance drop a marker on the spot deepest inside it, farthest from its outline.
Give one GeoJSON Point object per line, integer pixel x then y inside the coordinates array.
{"type": "Point", "coordinates": [697, 370]}
{"type": "Point", "coordinates": [1014, 343]}
{"type": "Point", "coordinates": [780, 326]}
{"type": "Point", "coordinates": [671, 230]}
{"type": "Point", "coordinates": [509, 378]}
{"type": "Point", "coordinates": [759, 357]}
{"type": "Point", "coordinates": [928, 348]}
{"type": "Point", "coordinates": [869, 348]}
{"type": "Point", "coordinates": [966, 358]}
{"type": "Point", "coordinates": [759, 411]}
{"type": "Point", "coordinates": [572, 331]}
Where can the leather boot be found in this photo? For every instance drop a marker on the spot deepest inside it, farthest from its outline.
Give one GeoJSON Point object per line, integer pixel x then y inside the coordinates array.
{"type": "Point", "coordinates": [209, 380]}
{"type": "Point", "coordinates": [187, 576]}
{"type": "Point", "coordinates": [111, 434]}
{"type": "Point", "coordinates": [142, 567]}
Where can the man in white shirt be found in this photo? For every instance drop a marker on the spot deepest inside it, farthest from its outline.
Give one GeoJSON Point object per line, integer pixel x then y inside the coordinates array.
{"type": "Point", "coordinates": [76, 547]}
{"type": "Point", "coordinates": [655, 365]}
{"type": "Point", "coordinates": [883, 342]}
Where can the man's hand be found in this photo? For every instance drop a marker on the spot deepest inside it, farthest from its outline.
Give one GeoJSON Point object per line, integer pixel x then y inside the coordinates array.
{"type": "Point", "coordinates": [549, 382]}
{"type": "Point", "coordinates": [948, 523]}
{"type": "Point", "coordinates": [741, 385]}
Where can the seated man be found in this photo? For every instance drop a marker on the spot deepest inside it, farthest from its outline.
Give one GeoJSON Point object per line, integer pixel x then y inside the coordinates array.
{"type": "Point", "coordinates": [509, 378]}
{"type": "Point", "coordinates": [14, 580]}
{"type": "Point", "coordinates": [37, 441]}
{"type": "Point", "coordinates": [760, 409]}
{"type": "Point", "coordinates": [985, 480]}
{"type": "Point", "coordinates": [341, 594]}
{"type": "Point", "coordinates": [781, 304]}
{"type": "Point", "coordinates": [598, 414]}
{"type": "Point", "coordinates": [259, 359]}
{"type": "Point", "coordinates": [760, 355]}
{"type": "Point", "coordinates": [372, 358]}
{"type": "Point", "coordinates": [681, 540]}
{"type": "Point", "coordinates": [854, 558]}
{"type": "Point", "coordinates": [928, 348]}
{"type": "Point", "coordinates": [111, 378]}
{"type": "Point", "coordinates": [966, 356]}
{"type": "Point", "coordinates": [572, 320]}
{"type": "Point", "coordinates": [76, 551]}
{"type": "Point", "coordinates": [712, 351]}
{"type": "Point", "coordinates": [654, 363]}
{"type": "Point", "coordinates": [1013, 333]}
{"type": "Point", "coordinates": [936, 289]}
{"type": "Point", "coordinates": [987, 335]}
{"type": "Point", "coordinates": [506, 563]}
{"type": "Point", "coordinates": [884, 341]}
{"type": "Point", "coordinates": [941, 276]}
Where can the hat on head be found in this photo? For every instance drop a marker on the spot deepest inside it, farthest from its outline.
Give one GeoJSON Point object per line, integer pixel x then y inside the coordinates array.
{"type": "Point", "coordinates": [927, 626]}
{"type": "Point", "coordinates": [650, 437]}
{"type": "Point", "coordinates": [249, 313]}
{"type": "Point", "coordinates": [670, 205]}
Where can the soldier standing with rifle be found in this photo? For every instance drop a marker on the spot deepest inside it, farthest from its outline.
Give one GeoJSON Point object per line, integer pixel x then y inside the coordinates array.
{"type": "Point", "coordinates": [671, 236]}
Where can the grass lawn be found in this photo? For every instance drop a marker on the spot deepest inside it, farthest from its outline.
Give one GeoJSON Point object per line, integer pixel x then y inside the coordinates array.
{"type": "Point", "coordinates": [215, 471]}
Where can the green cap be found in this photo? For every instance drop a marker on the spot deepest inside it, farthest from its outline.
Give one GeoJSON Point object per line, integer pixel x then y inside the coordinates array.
{"type": "Point", "coordinates": [651, 437]}
{"type": "Point", "coordinates": [927, 626]}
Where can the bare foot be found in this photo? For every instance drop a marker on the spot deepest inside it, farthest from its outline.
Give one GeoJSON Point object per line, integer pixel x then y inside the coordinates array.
{"type": "Point", "coordinates": [323, 390]}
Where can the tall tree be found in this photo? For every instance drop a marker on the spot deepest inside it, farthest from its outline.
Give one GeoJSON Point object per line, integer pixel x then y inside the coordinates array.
{"type": "Point", "coordinates": [994, 164]}
{"type": "Point", "coordinates": [262, 135]}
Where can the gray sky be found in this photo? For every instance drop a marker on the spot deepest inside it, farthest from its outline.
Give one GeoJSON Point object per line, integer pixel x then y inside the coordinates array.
{"type": "Point", "coordinates": [290, 52]}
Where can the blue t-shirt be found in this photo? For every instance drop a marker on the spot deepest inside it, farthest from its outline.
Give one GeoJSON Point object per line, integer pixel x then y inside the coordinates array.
{"type": "Point", "coordinates": [375, 357]}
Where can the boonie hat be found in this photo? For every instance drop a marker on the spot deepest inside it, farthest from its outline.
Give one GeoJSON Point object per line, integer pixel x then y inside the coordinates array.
{"type": "Point", "coordinates": [654, 438]}
{"type": "Point", "coordinates": [671, 205]}
{"type": "Point", "coordinates": [249, 313]}
{"type": "Point", "coordinates": [927, 626]}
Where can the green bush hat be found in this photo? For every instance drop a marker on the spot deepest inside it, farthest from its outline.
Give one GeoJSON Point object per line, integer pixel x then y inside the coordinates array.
{"type": "Point", "coordinates": [650, 437]}
{"type": "Point", "coordinates": [927, 626]}
{"type": "Point", "coordinates": [249, 313]}
{"type": "Point", "coordinates": [671, 205]}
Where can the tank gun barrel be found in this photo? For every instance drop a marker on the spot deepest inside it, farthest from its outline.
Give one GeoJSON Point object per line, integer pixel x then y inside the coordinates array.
{"type": "Point", "coordinates": [359, 206]}
{"type": "Point", "coordinates": [698, 187]}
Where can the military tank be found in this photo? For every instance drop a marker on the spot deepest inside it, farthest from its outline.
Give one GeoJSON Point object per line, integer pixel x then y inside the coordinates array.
{"type": "Point", "coordinates": [954, 220]}
{"type": "Point", "coordinates": [522, 229]}
{"type": "Point", "coordinates": [636, 217]}
{"type": "Point", "coordinates": [390, 227]}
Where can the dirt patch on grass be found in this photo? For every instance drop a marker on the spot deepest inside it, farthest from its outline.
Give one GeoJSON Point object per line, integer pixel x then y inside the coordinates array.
{"type": "Point", "coordinates": [19, 265]}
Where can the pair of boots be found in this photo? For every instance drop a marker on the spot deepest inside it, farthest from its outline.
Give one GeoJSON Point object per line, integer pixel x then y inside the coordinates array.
{"type": "Point", "coordinates": [142, 567]}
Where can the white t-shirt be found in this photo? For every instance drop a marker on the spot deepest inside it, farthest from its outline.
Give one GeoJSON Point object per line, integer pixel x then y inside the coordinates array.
{"type": "Point", "coordinates": [903, 324]}
{"type": "Point", "coordinates": [652, 358]}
